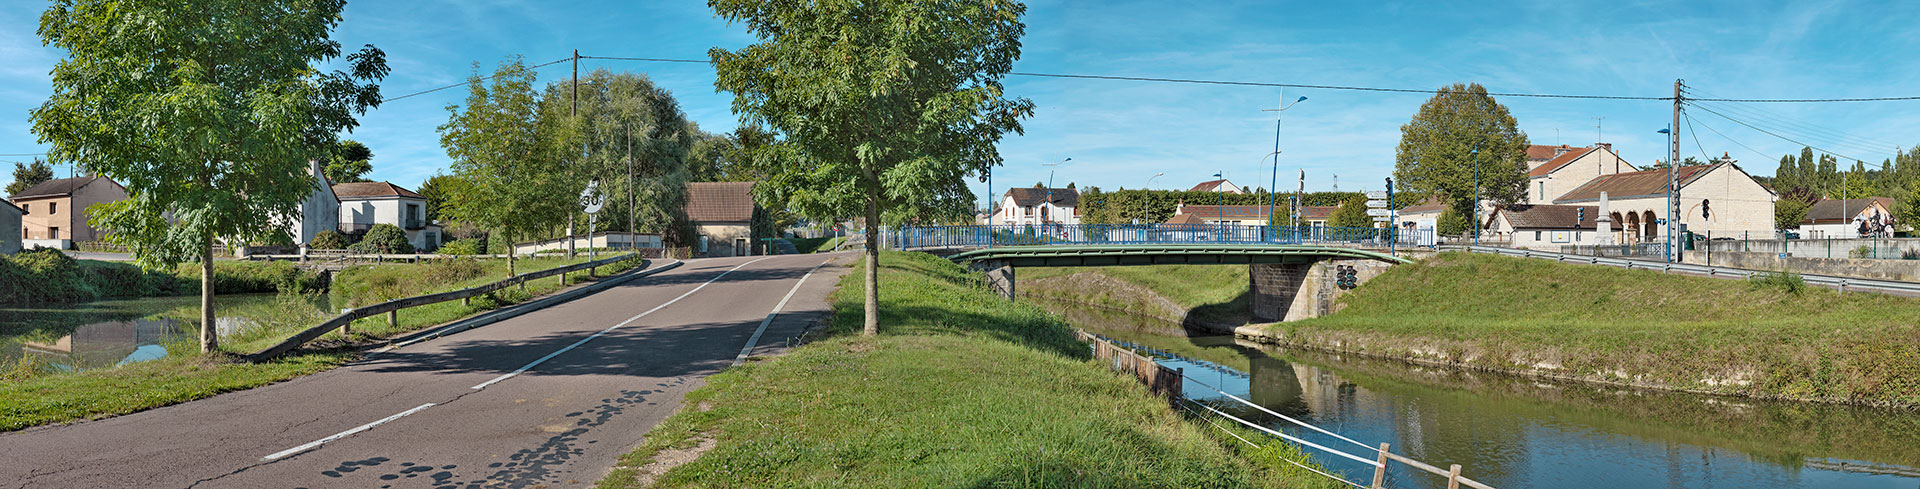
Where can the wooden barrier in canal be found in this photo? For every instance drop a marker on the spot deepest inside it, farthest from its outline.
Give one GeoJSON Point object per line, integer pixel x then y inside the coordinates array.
{"type": "Point", "coordinates": [1162, 381]}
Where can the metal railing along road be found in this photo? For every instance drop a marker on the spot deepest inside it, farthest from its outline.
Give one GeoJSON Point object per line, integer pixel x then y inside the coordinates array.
{"type": "Point", "coordinates": [912, 237]}
{"type": "Point", "coordinates": [1843, 284]}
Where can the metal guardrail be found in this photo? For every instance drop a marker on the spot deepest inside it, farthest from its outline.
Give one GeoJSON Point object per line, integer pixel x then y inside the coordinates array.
{"type": "Point", "coordinates": [1843, 284]}
{"type": "Point", "coordinates": [911, 237]}
{"type": "Point", "coordinates": [393, 307]}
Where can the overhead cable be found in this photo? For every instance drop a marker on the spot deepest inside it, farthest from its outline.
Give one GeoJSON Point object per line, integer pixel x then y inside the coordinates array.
{"type": "Point", "coordinates": [484, 78]}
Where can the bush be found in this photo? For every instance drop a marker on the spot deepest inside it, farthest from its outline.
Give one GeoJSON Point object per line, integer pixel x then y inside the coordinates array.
{"type": "Point", "coordinates": [1863, 251]}
{"type": "Point", "coordinates": [330, 240]}
{"type": "Point", "coordinates": [254, 278]}
{"type": "Point", "coordinates": [1788, 282]}
{"type": "Point", "coordinates": [384, 239]}
{"type": "Point", "coordinates": [468, 246]}
{"type": "Point", "coordinates": [47, 276]}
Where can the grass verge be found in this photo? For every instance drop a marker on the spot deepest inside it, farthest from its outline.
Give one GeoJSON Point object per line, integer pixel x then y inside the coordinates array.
{"type": "Point", "coordinates": [32, 396]}
{"type": "Point", "coordinates": [1211, 293]}
{"type": "Point", "coordinates": [961, 389]}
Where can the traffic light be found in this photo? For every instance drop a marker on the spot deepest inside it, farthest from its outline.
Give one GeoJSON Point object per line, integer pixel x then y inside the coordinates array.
{"type": "Point", "coordinates": [1583, 215]}
{"type": "Point", "coordinates": [1704, 214]}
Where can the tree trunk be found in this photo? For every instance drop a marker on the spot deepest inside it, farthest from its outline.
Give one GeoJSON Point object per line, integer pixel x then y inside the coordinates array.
{"type": "Point", "coordinates": [872, 325]}
{"type": "Point", "coordinates": [563, 278]}
{"type": "Point", "coordinates": [209, 334]}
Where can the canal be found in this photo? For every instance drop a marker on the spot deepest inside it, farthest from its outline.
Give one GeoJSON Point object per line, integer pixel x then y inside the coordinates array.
{"type": "Point", "coordinates": [103, 334]}
{"type": "Point", "coordinates": [1519, 432]}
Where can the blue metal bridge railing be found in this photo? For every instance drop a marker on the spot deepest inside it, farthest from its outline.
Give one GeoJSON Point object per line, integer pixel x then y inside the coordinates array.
{"type": "Point", "coordinates": [912, 237]}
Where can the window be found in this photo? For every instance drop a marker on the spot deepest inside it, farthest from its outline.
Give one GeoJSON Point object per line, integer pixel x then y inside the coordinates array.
{"type": "Point", "coordinates": [1543, 191]}
{"type": "Point", "coordinates": [53, 233]}
{"type": "Point", "coordinates": [1536, 235]}
{"type": "Point", "coordinates": [53, 207]}
{"type": "Point", "coordinates": [1576, 236]}
{"type": "Point", "coordinates": [26, 209]}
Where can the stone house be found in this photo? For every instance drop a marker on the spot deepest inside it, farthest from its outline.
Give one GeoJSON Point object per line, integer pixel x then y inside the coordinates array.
{"type": "Point", "coordinates": [725, 218]}
{"type": "Point", "coordinates": [1568, 168]}
{"type": "Point", "coordinates": [1843, 218]}
{"type": "Point", "coordinates": [1717, 198]}
{"type": "Point", "coordinates": [1034, 206]}
{"type": "Point", "coordinates": [54, 213]}
{"type": "Point", "coordinates": [364, 204]}
{"type": "Point", "coordinates": [320, 212]}
{"type": "Point", "coordinates": [10, 233]}
{"type": "Point", "coordinates": [1546, 226]}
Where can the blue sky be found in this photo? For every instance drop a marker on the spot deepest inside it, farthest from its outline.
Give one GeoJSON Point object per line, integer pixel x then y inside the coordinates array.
{"type": "Point", "coordinates": [1121, 133]}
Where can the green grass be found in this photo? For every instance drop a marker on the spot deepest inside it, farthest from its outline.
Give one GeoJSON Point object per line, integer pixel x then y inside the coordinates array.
{"type": "Point", "coordinates": [961, 389]}
{"type": "Point", "coordinates": [1208, 292]}
{"type": "Point", "coordinates": [816, 245]}
{"type": "Point", "coordinates": [1759, 338]}
{"type": "Point", "coordinates": [32, 396]}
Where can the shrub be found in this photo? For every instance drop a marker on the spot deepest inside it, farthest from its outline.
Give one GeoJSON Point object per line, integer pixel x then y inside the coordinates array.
{"type": "Point", "coordinates": [383, 239]}
{"type": "Point", "coordinates": [330, 240]}
{"type": "Point", "coordinates": [469, 246]}
{"type": "Point", "coordinates": [1788, 282]}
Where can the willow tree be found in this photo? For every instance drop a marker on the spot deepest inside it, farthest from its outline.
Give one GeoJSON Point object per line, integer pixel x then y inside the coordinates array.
{"type": "Point", "coordinates": [883, 108]}
{"type": "Point", "coordinates": [207, 112]}
{"type": "Point", "coordinates": [1436, 152]}
{"type": "Point", "coordinates": [622, 115]}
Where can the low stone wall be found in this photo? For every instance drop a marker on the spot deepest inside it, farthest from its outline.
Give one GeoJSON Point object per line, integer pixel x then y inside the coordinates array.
{"type": "Point", "coordinates": [1901, 270]}
{"type": "Point", "coordinates": [1817, 248]}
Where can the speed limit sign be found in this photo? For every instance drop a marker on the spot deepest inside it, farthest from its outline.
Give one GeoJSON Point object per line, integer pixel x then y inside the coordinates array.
{"type": "Point", "coordinates": [591, 198]}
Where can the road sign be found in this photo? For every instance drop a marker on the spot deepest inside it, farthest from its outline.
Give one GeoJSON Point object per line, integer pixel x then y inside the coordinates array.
{"type": "Point", "coordinates": [1376, 194]}
{"type": "Point", "coordinates": [1377, 204]}
{"type": "Point", "coordinates": [1381, 219]}
{"type": "Point", "coordinates": [1378, 212]}
{"type": "Point", "coordinates": [591, 198]}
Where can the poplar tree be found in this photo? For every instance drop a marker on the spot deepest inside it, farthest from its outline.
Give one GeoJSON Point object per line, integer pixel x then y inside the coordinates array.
{"type": "Point", "coordinates": [883, 108]}
{"type": "Point", "coordinates": [207, 112]}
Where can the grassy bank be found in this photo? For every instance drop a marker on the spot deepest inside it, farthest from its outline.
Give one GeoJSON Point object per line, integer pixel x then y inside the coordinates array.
{"type": "Point", "coordinates": [31, 395]}
{"type": "Point", "coordinates": [1208, 293]}
{"type": "Point", "coordinates": [51, 277]}
{"type": "Point", "coordinates": [961, 389]}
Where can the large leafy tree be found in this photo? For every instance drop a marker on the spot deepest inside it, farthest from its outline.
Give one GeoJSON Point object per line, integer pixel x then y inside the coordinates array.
{"type": "Point", "coordinates": [622, 116]}
{"type": "Point", "coordinates": [438, 189]}
{"type": "Point", "coordinates": [1436, 152]}
{"type": "Point", "coordinates": [207, 112]}
{"type": "Point", "coordinates": [1351, 214]}
{"type": "Point", "coordinates": [1792, 207]}
{"type": "Point", "coordinates": [515, 180]}
{"type": "Point", "coordinates": [884, 108]}
{"type": "Point", "coordinates": [26, 176]}
{"type": "Point", "coordinates": [350, 162]}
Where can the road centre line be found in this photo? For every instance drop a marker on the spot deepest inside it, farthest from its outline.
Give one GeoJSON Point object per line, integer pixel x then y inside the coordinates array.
{"type": "Point", "coordinates": [316, 443]}
{"type": "Point", "coordinates": [630, 320]}
{"type": "Point", "coordinates": [776, 311]}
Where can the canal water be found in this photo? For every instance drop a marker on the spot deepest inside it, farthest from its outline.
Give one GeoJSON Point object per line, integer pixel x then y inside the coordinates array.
{"type": "Point", "coordinates": [1514, 432]}
{"type": "Point", "coordinates": [111, 333]}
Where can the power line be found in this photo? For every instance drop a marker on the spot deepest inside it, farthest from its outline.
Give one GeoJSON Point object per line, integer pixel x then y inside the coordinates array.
{"type": "Point", "coordinates": [465, 83]}
{"type": "Point", "coordinates": [1805, 100]}
{"type": "Point", "coordinates": [1696, 139]}
{"type": "Point", "coordinates": [1771, 133]}
{"type": "Point", "coordinates": [24, 154]}
{"type": "Point", "coordinates": [1690, 122]}
{"type": "Point", "coordinates": [1812, 131]}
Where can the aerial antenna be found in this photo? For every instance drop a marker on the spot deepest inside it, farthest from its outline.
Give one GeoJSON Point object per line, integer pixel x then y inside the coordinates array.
{"type": "Point", "coordinates": [1597, 135]}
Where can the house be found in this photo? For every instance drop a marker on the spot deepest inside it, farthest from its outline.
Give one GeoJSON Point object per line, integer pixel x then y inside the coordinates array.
{"type": "Point", "coordinates": [1422, 219]}
{"type": "Point", "coordinates": [1567, 169]}
{"type": "Point", "coordinates": [1546, 226]}
{"type": "Point", "coordinates": [724, 216]}
{"type": "Point", "coordinates": [1843, 218]}
{"type": "Point", "coordinates": [1718, 199]}
{"type": "Point", "coordinates": [1221, 185]}
{"type": "Point", "coordinates": [54, 213]}
{"type": "Point", "coordinates": [10, 233]}
{"type": "Point", "coordinates": [1033, 206]}
{"type": "Point", "coordinates": [364, 204]}
{"type": "Point", "coordinates": [1252, 215]}
{"type": "Point", "coordinates": [320, 212]}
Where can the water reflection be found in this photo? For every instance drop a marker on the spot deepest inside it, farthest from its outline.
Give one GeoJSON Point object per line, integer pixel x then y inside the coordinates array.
{"type": "Point", "coordinates": [1512, 432]}
{"type": "Point", "coordinates": [114, 333]}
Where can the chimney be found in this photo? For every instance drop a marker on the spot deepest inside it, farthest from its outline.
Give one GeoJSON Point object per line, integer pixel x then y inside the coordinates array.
{"type": "Point", "coordinates": [1605, 146]}
{"type": "Point", "coordinates": [313, 167]}
{"type": "Point", "coordinates": [1180, 207]}
{"type": "Point", "coordinates": [1560, 150]}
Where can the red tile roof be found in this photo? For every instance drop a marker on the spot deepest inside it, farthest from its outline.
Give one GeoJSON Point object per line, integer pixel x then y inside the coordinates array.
{"type": "Point", "coordinates": [1633, 184]}
{"type": "Point", "coordinates": [1208, 186]}
{"type": "Point", "coordinates": [1028, 196]}
{"type": "Point", "coordinates": [1226, 211]}
{"type": "Point", "coordinates": [1546, 152]}
{"type": "Point", "coordinates": [1559, 161]}
{"type": "Point", "coordinates": [1186, 219]}
{"type": "Point", "coordinates": [1543, 216]}
{"type": "Point", "coordinates": [720, 201]}
{"type": "Point", "coordinates": [368, 190]}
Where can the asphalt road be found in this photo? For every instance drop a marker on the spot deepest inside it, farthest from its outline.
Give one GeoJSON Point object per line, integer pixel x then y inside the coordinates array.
{"type": "Point", "coordinates": [548, 399]}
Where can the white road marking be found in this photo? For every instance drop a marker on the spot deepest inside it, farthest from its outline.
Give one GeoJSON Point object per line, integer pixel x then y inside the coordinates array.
{"type": "Point", "coordinates": [776, 311]}
{"type": "Point", "coordinates": [316, 443]}
{"type": "Point", "coordinates": [630, 320]}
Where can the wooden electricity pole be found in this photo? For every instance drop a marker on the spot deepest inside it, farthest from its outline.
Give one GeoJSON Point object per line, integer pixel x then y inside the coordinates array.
{"type": "Point", "coordinates": [573, 111]}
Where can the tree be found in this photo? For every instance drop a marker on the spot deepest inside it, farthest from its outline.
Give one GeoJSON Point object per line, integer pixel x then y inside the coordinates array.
{"type": "Point", "coordinates": [621, 115]}
{"type": "Point", "coordinates": [884, 108]}
{"type": "Point", "coordinates": [206, 112]}
{"type": "Point", "coordinates": [1351, 214]}
{"type": "Point", "coordinates": [436, 189]}
{"type": "Point", "coordinates": [383, 239]}
{"type": "Point", "coordinates": [1792, 206]}
{"type": "Point", "coordinates": [511, 166]}
{"type": "Point", "coordinates": [1452, 223]}
{"type": "Point", "coordinates": [1436, 152]}
{"type": "Point", "coordinates": [25, 177]}
{"type": "Point", "coordinates": [1906, 209]}
{"type": "Point", "coordinates": [350, 162]}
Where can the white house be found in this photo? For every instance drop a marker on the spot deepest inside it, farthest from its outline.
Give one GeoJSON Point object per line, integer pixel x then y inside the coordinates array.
{"type": "Point", "coordinates": [1034, 206]}
{"type": "Point", "coordinates": [321, 210]}
{"type": "Point", "coordinates": [1844, 218]}
{"type": "Point", "coordinates": [1718, 198]}
{"type": "Point", "coordinates": [11, 234]}
{"type": "Point", "coordinates": [1568, 168]}
{"type": "Point", "coordinates": [364, 204]}
{"type": "Point", "coordinates": [1221, 185]}
{"type": "Point", "coordinates": [1422, 219]}
{"type": "Point", "coordinates": [1546, 226]}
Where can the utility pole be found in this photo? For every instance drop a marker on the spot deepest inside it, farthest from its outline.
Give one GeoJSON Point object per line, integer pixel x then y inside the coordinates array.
{"type": "Point", "coordinates": [573, 111]}
{"type": "Point", "coordinates": [1673, 188]}
{"type": "Point", "coordinates": [631, 209]}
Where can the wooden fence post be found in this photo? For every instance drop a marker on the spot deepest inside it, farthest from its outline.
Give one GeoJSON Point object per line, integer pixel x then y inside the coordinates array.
{"type": "Point", "coordinates": [1380, 473]}
{"type": "Point", "coordinates": [393, 319]}
{"type": "Point", "coordinates": [1453, 477]}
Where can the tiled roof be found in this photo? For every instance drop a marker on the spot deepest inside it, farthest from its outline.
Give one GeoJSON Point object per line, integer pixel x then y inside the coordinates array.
{"type": "Point", "coordinates": [1226, 211]}
{"type": "Point", "coordinates": [1313, 212]}
{"type": "Point", "coordinates": [720, 201]}
{"type": "Point", "coordinates": [1432, 204]}
{"type": "Point", "coordinates": [1558, 161]}
{"type": "Point", "coordinates": [1544, 216]}
{"type": "Point", "coordinates": [1545, 151]}
{"type": "Point", "coordinates": [1834, 211]}
{"type": "Point", "coordinates": [1633, 184]}
{"type": "Point", "coordinates": [1062, 197]}
{"type": "Point", "coordinates": [1208, 186]}
{"type": "Point", "coordinates": [55, 188]}
{"type": "Point", "coordinates": [1185, 219]}
{"type": "Point", "coordinates": [369, 190]}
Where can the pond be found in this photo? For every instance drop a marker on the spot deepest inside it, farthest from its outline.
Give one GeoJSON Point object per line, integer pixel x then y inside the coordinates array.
{"type": "Point", "coordinates": [111, 333]}
{"type": "Point", "coordinates": [1515, 432]}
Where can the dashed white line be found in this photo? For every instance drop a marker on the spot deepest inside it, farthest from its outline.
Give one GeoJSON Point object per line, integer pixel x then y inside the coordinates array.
{"type": "Point", "coordinates": [316, 443]}
{"type": "Point", "coordinates": [630, 320]}
{"type": "Point", "coordinates": [776, 311]}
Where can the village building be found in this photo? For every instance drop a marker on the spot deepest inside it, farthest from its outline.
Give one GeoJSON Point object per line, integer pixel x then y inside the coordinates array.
{"type": "Point", "coordinates": [1546, 226]}
{"type": "Point", "coordinates": [54, 213]}
{"type": "Point", "coordinates": [365, 204]}
{"type": "Point", "coordinates": [1848, 218]}
{"type": "Point", "coordinates": [10, 233]}
{"type": "Point", "coordinates": [319, 212]}
{"type": "Point", "coordinates": [724, 217]}
{"type": "Point", "coordinates": [1568, 168]}
{"type": "Point", "coordinates": [1717, 199]}
{"type": "Point", "coordinates": [1036, 206]}
{"type": "Point", "coordinates": [1221, 185]}
{"type": "Point", "coordinates": [1251, 215]}
{"type": "Point", "coordinates": [1421, 221]}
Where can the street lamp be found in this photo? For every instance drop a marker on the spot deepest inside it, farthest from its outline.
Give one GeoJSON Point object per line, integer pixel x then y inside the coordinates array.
{"type": "Point", "coordinates": [1475, 225]}
{"type": "Point", "coordinates": [1150, 179]}
{"type": "Point", "coordinates": [1046, 211]}
{"type": "Point", "coordinates": [1669, 212]}
{"type": "Point", "coordinates": [1273, 180]}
